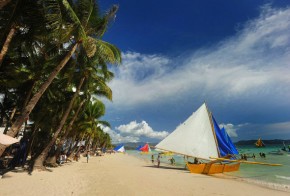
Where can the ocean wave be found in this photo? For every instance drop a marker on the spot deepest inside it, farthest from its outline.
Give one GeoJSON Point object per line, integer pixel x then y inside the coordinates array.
{"type": "Point", "coordinates": [271, 185]}
{"type": "Point", "coordinates": [283, 177]}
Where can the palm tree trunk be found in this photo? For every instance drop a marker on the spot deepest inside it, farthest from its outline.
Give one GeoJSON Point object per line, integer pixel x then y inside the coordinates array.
{"type": "Point", "coordinates": [63, 138]}
{"type": "Point", "coordinates": [38, 164]}
{"type": "Point", "coordinates": [70, 146]}
{"type": "Point", "coordinates": [72, 122]}
{"type": "Point", "coordinates": [28, 95]}
{"type": "Point", "coordinates": [3, 3]}
{"type": "Point", "coordinates": [7, 43]}
{"type": "Point", "coordinates": [74, 148]}
{"type": "Point", "coordinates": [31, 140]}
{"type": "Point", "coordinates": [88, 143]}
{"type": "Point", "coordinates": [10, 120]}
{"type": "Point", "coordinates": [17, 9]}
{"type": "Point", "coordinates": [33, 101]}
{"type": "Point", "coordinates": [94, 147]}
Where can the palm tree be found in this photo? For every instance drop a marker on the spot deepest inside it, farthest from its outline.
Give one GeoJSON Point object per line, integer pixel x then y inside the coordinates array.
{"type": "Point", "coordinates": [39, 161]}
{"type": "Point", "coordinates": [14, 11]}
{"type": "Point", "coordinates": [90, 44]}
{"type": "Point", "coordinates": [41, 158]}
{"type": "Point", "coordinates": [22, 18]}
{"type": "Point", "coordinates": [91, 120]}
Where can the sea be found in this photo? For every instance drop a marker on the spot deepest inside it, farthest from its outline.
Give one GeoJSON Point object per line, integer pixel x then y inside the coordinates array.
{"type": "Point", "coordinates": [274, 177]}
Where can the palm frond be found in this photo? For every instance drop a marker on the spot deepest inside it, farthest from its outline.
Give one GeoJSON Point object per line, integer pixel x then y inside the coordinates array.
{"type": "Point", "coordinates": [108, 52]}
{"type": "Point", "coordinates": [84, 11]}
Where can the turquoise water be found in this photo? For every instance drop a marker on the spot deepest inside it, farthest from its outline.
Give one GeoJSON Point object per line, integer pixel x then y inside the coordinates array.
{"type": "Point", "coordinates": [275, 177]}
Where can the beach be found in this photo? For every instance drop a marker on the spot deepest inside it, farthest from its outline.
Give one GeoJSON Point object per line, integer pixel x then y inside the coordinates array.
{"type": "Point", "coordinates": [122, 174]}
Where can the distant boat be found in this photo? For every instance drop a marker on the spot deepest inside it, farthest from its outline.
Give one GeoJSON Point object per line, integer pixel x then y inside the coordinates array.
{"type": "Point", "coordinates": [259, 143]}
{"type": "Point", "coordinates": [138, 148]}
{"type": "Point", "coordinates": [120, 148]}
{"type": "Point", "coordinates": [200, 137]}
{"type": "Point", "coordinates": [145, 149]}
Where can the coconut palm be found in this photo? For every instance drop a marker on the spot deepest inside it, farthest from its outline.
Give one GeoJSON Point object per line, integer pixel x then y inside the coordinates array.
{"type": "Point", "coordinates": [80, 37]}
{"type": "Point", "coordinates": [91, 120]}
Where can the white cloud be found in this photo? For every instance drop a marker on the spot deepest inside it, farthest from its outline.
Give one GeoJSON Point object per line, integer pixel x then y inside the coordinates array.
{"type": "Point", "coordinates": [141, 129]}
{"type": "Point", "coordinates": [132, 132]}
{"type": "Point", "coordinates": [118, 138]}
{"type": "Point", "coordinates": [230, 129]}
{"type": "Point", "coordinates": [255, 62]}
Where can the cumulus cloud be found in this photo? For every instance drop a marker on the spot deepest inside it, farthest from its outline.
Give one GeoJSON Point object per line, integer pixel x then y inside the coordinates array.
{"type": "Point", "coordinates": [133, 131]}
{"type": "Point", "coordinates": [250, 69]}
{"type": "Point", "coordinates": [230, 129]}
{"type": "Point", "coordinates": [141, 129]}
{"type": "Point", "coordinates": [253, 62]}
{"type": "Point", "coordinates": [118, 138]}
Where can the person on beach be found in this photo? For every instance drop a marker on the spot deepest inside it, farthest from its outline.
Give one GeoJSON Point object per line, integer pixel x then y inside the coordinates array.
{"type": "Point", "coordinates": [77, 156]}
{"type": "Point", "coordinates": [152, 159]}
{"type": "Point", "coordinates": [88, 156]}
{"type": "Point", "coordinates": [242, 156]}
{"type": "Point", "coordinates": [172, 161]}
{"type": "Point", "coordinates": [262, 155]}
{"type": "Point", "coordinates": [158, 160]}
{"type": "Point", "coordinates": [245, 157]}
{"type": "Point", "coordinates": [254, 156]}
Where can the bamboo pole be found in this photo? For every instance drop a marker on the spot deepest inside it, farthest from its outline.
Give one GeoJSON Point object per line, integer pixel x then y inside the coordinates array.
{"type": "Point", "coordinates": [247, 162]}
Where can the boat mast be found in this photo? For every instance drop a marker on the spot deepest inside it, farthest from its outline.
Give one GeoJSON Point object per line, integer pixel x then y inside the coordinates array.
{"type": "Point", "coordinates": [212, 129]}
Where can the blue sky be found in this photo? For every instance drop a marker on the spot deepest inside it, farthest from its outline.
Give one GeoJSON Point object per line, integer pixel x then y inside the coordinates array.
{"type": "Point", "coordinates": [235, 55]}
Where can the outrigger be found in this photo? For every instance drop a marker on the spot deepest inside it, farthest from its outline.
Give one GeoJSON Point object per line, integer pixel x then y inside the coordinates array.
{"type": "Point", "coordinates": [200, 137]}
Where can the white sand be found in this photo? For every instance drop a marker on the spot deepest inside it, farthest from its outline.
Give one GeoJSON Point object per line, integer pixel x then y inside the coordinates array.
{"type": "Point", "coordinates": [121, 174]}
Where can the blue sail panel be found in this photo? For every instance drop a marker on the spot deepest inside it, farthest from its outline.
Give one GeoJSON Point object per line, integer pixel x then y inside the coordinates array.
{"type": "Point", "coordinates": [138, 148]}
{"type": "Point", "coordinates": [230, 142]}
{"type": "Point", "coordinates": [224, 145]}
{"type": "Point", "coordinates": [118, 147]}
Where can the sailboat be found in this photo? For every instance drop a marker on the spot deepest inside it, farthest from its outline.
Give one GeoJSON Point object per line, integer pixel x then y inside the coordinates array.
{"type": "Point", "coordinates": [138, 148]}
{"type": "Point", "coordinates": [200, 137]}
{"type": "Point", "coordinates": [120, 148]}
{"type": "Point", "coordinates": [145, 149]}
{"type": "Point", "coordinates": [259, 143]}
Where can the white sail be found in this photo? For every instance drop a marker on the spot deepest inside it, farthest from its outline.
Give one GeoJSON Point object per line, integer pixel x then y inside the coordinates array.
{"type": "Point", "coordinates": [122, 149]}
{"type": "Point", "coordinates": [194, 137]}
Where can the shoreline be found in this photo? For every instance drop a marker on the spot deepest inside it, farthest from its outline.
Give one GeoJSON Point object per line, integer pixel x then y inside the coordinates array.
{"type": "Point", "coordinates": [123, 174]}
{"type": "Point", "coordinates": [259, 183]}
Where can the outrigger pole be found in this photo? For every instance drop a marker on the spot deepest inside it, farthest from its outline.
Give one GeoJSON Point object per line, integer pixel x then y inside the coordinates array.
{"type": "Point", "coordinates": [247, 162]}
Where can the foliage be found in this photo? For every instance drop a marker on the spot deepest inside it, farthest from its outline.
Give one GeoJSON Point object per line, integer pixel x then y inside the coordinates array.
{"type": "Point", "coordinates": [45, 32]}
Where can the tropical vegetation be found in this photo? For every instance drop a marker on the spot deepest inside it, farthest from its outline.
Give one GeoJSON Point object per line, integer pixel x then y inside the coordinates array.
{"type": "Point", "coordinates": [54, 68]}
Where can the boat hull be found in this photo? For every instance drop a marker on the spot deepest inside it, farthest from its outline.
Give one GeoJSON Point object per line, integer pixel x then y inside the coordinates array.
{"type": "Point", "coordinates": [207, 168]}
{"type": "Point", "coordinates": [144, 152]}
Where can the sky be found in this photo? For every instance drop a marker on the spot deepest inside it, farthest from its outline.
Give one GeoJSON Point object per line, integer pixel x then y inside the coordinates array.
{"type": "Point", "coordinates": [234, 55]}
